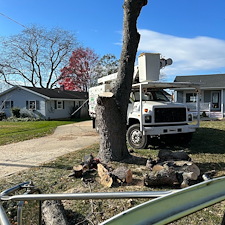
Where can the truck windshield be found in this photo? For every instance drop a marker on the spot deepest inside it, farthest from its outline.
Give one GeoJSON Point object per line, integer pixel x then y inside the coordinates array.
{"type": "Point", "coordinates": [152, 95]}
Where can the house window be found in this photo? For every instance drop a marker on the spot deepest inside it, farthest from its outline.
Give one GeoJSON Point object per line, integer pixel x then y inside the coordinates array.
{"type": "Point", "coordinates": [32, 105]}
{"type": "Point", "coordinates": [191, 97]}
{"type": "Point", "coordinates": [7, 104]}
{"type": "Point", "coordinates": [59, 104]}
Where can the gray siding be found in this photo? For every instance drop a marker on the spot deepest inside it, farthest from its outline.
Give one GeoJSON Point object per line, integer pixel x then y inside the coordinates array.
{"type": "Point", "coordinates": [180, 96]}
{"type": "Point", "coordinates": [45, 108]}
{"type": "Point", "coordinates": [207, 96]}
{"type": "Point", "coordinates": [53, 113]}
{"type": "Point", "coordinates": [223, 99]}
{"type": "Point", "coordinates": [19, 98]}
{"type": "Point", "coordinates": [69, 106]}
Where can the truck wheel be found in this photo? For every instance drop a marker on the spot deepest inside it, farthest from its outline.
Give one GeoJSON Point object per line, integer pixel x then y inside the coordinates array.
{"type": "Point", "coordinates": [135, 138]}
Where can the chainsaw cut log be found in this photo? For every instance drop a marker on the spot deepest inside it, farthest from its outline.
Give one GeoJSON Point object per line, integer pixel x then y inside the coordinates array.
{"type": "Point", "coordinates": [123, 174]}
{"type": "Point", "coordinates": [78, 171]}
{"type": "Point", "coordinates": [163, 177]}
{"type": "Point", "coordinates": [105, 177]}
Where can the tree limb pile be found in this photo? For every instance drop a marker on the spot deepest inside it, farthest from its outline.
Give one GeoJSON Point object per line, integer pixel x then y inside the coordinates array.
{"type": "Point", "coordinates": [108, 176]}
{"type": "Point", "coordinates": [172, 168]}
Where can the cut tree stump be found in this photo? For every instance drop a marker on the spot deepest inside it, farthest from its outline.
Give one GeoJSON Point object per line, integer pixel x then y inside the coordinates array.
{"type": "Point", "coordinates": [89, 164]}
{"type": "Point", "coordinates": [78, 171]}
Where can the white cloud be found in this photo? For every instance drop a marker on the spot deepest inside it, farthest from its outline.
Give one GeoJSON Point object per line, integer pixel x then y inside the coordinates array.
{"type": "Point", "coordinates": [197, 55]}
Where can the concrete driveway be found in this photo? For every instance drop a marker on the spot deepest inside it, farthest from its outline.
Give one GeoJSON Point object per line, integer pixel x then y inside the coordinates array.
{"type": "Point", "coordinates": [26, 154]}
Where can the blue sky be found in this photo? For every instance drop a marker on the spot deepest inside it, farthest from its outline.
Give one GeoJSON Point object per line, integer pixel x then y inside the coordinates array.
{"type": "Point", "coordinates": [191, 32]}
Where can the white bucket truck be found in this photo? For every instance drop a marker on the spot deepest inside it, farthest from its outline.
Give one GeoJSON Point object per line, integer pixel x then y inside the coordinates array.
{"type": "Point", "coordinates": [151, 116]}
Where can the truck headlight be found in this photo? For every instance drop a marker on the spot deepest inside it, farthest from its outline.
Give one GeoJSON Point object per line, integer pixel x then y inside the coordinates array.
{"type": "Point", "coordinates": [148, 119]}
{"type": "Point", "coordinates": [190, 117]}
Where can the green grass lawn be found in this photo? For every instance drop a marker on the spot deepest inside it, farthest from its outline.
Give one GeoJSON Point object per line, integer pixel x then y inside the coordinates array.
{"type": "Point", "coordinates": [20, 131]}
{"type": "Point", "coordinates": [207, 150]}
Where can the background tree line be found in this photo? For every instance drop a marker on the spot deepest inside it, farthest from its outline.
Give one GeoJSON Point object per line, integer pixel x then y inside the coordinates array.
{"type": "Point", "coordinates": [47, 58]}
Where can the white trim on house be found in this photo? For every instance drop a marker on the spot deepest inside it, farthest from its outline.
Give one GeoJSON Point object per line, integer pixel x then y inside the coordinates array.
{"type": "Point", "coordinates": [23, 88]}
{"type": "Point", "coordinates": [34, 92]}
{"type": "Point", "coordinates": [222, 101]}
{"type": "Point", "coordinates": [67, 99]}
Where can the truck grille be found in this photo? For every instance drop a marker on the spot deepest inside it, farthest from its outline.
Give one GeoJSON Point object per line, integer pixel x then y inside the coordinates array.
{"type": "Point", "coordinates": [170, 115]}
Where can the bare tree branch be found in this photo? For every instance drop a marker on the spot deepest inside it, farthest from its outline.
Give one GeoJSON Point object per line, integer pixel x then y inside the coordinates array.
{"type": "Point", "coordinates": [36, 55]}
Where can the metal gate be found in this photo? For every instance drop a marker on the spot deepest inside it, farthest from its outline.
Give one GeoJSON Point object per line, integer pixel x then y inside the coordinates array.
{"type": "Point", "coordinates": [179, 203]}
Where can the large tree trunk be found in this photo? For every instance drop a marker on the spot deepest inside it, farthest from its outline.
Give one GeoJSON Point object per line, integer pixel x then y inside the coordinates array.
{"type": "Point", "coordinates": [112, 111]}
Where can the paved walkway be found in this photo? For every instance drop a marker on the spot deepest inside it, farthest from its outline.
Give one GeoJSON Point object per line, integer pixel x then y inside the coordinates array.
{"type": "Point", "coordinates": [26, 154]}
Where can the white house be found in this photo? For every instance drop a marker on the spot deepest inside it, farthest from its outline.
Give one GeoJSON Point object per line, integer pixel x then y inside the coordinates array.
{"type": "Point", "coordinates": [212, 95]}
{"type": "Point", "coordinates": [43, 102]}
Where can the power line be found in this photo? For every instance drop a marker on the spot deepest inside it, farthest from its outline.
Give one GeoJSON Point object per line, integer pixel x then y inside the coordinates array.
{"type": "Point", "coordinates": [13, 20]}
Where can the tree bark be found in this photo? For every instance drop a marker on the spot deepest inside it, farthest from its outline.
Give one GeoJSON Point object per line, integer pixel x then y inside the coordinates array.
{"type": "Point", "coordinates": [164, 177]}
{"type": "Point", "coordinates": [112, 111]}
{"type": "Point", "coordinates": [53, 213]}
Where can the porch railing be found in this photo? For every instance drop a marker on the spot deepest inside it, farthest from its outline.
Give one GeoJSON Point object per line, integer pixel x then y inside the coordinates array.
{"type": "Point", "coordinates": [204, 107]}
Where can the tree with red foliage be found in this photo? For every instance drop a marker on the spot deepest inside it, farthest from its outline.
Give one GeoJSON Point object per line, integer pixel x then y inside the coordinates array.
{"type": "Point", "coordinates": [77, 75]}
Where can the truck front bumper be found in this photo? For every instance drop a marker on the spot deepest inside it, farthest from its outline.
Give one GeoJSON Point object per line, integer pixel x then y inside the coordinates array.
{"type": "Point", "coordinates": [157, 131]}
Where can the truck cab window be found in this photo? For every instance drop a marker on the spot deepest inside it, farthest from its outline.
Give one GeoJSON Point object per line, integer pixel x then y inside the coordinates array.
{"type": "Point", "coordinates": [153, 95]}
{"type": "Point", "coordinates": [160, 96]}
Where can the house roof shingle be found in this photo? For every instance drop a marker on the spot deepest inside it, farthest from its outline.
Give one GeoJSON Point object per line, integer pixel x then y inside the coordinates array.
{"type": "Point", "coordinates": [58, 93]}
{"type": "Point", "coordinates": [206, 81]}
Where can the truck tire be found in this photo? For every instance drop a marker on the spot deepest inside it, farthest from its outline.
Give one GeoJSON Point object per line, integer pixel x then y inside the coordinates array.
{"type": "Point", "coordinates": [135, 138]}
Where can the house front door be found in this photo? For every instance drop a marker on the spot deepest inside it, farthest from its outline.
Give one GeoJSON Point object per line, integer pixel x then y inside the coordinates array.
{"type": "Point", "coordinates": [215, 99]}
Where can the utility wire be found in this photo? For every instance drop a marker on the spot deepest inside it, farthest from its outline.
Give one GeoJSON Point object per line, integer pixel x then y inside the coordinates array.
{"type": "Point", "coordinates": [13, 20]}
{"type": "Point", "coordinates": [16, 22]}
